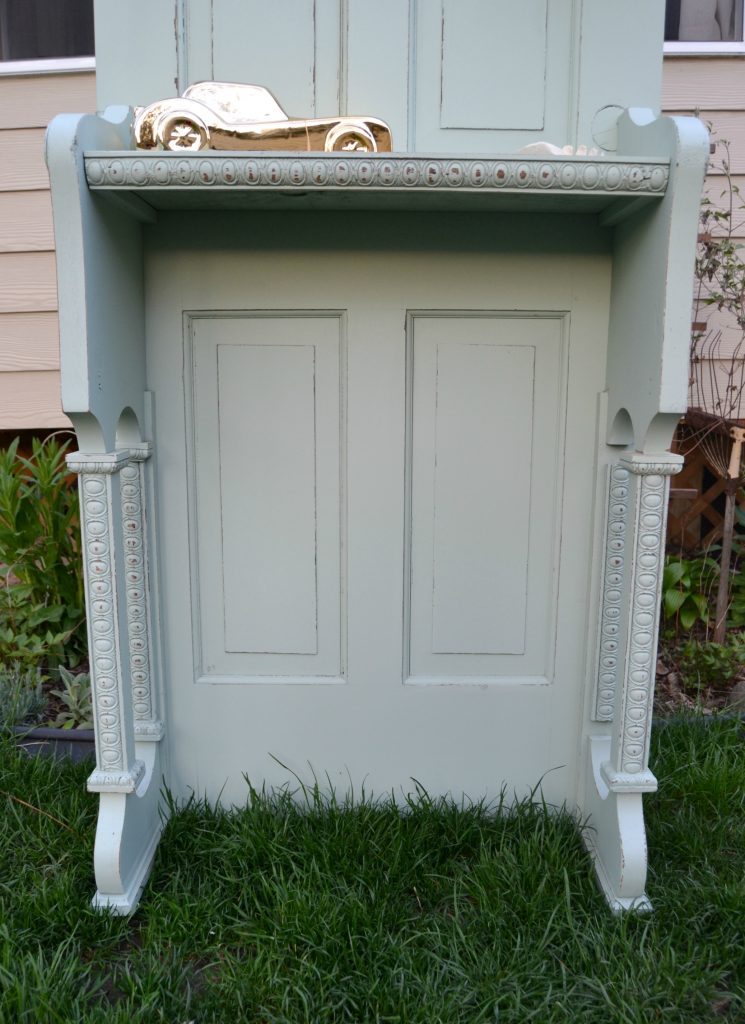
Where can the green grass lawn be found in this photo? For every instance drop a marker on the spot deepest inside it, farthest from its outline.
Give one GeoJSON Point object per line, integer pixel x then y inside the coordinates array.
{"type": "Point", "coordinates": [361, 914]}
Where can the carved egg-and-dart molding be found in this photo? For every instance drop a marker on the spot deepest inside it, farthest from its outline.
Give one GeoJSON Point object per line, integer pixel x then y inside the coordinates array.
{"type": "Point", "coordinates": [133, 170]}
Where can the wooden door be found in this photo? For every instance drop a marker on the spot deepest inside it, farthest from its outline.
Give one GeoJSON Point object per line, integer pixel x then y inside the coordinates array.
{"type": "Point", "coordinates": [375, 484]}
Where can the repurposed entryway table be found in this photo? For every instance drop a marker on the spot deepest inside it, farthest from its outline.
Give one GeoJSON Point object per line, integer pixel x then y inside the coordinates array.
{"type": "Point", "coordinates": [374, 421]}
{"type": "Point", "coordinates": [373, 468]}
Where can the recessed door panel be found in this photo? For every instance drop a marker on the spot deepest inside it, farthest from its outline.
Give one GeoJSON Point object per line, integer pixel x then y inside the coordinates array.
{"type": "Point", "coordinates": [267, 467]}
{"type": "Point", "coordinates": [485, 405]}
{"type": "Point", "coordinates": [489, 76]}
{"type": "Point", "coordinates": [493, 65]}
{"type": "Point", "coordinates": [267, 449]}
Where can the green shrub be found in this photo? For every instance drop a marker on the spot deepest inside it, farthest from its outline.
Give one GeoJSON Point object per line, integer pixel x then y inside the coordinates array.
{"type": "Point", "coordinates": [736, 609]}
{"type": "Point", "coordinates": [688, 585]}
{"type": "Point", "coordinates": [703, 663]}
{"type": "Point", "coordinates": [42, 605]}
{"type": "Point", "coordinates": [77, 697]}
{"type": "Point", "coordinates": [21, 698]}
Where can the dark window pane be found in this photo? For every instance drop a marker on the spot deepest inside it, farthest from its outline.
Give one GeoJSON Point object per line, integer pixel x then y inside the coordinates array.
{"type": "Point", "coordinates": [703, 21]}
{"type": "Point", "coordinates": [672, 19]}
{"type": "Point", "coordinates": [34, 29]}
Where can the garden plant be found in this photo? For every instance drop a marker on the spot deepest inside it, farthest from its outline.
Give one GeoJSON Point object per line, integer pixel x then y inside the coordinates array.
{"type": "Point", "coordinates": [43, 642]}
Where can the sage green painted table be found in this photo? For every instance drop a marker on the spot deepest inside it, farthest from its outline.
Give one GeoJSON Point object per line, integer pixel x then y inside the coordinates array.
{"type": "Point", "coordinates": [374, 469]}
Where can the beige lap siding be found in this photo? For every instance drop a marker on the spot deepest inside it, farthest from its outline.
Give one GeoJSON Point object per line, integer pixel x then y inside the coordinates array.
{"type": "Point", "coordinates": [703, 83]}
{"type": "Point", "coordinates": [713, 88]}
{"type": "Point", "coordinates": [29, 336]}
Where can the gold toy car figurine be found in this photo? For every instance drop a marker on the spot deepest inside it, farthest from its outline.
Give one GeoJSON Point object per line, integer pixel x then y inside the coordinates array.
{"type": "Point", "coordinates": [224, 115]}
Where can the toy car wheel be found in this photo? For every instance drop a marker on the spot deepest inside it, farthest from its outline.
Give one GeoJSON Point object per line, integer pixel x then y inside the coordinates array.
{"type": "Point", "coordinates": [350, 138]}
{"type": "Point", "coordinates": [179, 132]}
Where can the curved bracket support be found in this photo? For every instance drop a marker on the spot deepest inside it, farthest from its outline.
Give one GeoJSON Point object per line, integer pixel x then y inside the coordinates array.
{"type": "Point", "coordinates": [615, 835]}
{"type": "Point", "coordinates": [652, 290]}
{"type": "Point", "coordinates": [100, 282]}
{"type": "Point", "coordinates": [127, 836]}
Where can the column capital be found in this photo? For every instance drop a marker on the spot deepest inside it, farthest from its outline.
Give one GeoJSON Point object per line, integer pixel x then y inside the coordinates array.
{"type": "Point", "coordinates": [104, 462]}
{"type": "Point", "coordinates": [140, 452]}
{"type": "Point", "coordinates": [651, 464]}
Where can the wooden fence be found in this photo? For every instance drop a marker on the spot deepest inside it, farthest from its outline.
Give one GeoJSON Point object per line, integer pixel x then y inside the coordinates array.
{"type": "Point", "coordinates": [696, 511]}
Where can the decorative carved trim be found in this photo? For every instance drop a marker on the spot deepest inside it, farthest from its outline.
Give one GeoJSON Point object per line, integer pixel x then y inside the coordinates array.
{"type": "Point", "coordinates": [642, 648]}
{"type": "Point", "coordinates": [611, 603]}
{"type": "Point", "coordinates": [109, 462]}
{"type": "Point", "coordinates": [140, 452]}
{"type": "Point", "coordinates": [624, 782]}
{"type": "Point", "coordinates": [116, 771]}
{"type": "Point", "coordinates": [157, 170]}
{"type": "Point", "coordinates": [139, 632]}
{"type": "Point", "coordinates": [630, 743]}
{"type": "Point", "coordinates": [666, 464]}
{"type": "Point", "coordinates": [101, 781]}
{"type": "Point", "coordinates": [149, 731]}
{"type": "Point", "coordinates": [654, 468]}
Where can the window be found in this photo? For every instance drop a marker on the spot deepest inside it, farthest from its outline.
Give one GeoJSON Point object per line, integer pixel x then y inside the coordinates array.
{"type": "Point", "coordinates": [38, 35]}
{"type": "Point", "coordinates": [704, 26]}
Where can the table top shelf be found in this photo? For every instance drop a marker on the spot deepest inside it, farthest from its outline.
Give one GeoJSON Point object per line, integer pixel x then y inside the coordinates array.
{"type": "Point", "coordinates": [403, 181]}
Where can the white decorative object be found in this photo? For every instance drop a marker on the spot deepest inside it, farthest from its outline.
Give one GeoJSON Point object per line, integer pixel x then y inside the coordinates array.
{"type": "Point", "coordinates": [551, 149]}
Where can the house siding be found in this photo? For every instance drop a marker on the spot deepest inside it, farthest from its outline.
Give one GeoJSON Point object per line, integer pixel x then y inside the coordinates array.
{"type": "Point", "coordinates": [713, 88]}
{"type": "Point", "coordinates": [29, 344]}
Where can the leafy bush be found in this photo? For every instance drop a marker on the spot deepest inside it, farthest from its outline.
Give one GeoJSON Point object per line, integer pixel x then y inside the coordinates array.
{"type": "Point", "coordinates": [736, 616]}
{"type": "Point", "coordinates": [703, 663]}
{"type": "Point", "coordinates": [687, 587]}
{"type": "Point", "coordinates": [736, 607]}
{"type": "Point", "coordinates": [42, 605]}
{"type": "Point", "coordinates": [21, 697]}
{"type": "Point", "coordinates": [77, 697]}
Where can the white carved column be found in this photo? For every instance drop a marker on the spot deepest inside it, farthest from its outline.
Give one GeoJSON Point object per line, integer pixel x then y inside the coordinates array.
{"type": "Point", "coordinates": [648, 480]}
{"type": "Point", "coordinates": [610, 656]}
{"type": "Point", "coordinates": [147, 724]}
{"type": "Point", "coordinates": [117, 770]}
{"type": "Point", "coordinates": [618, 763]}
